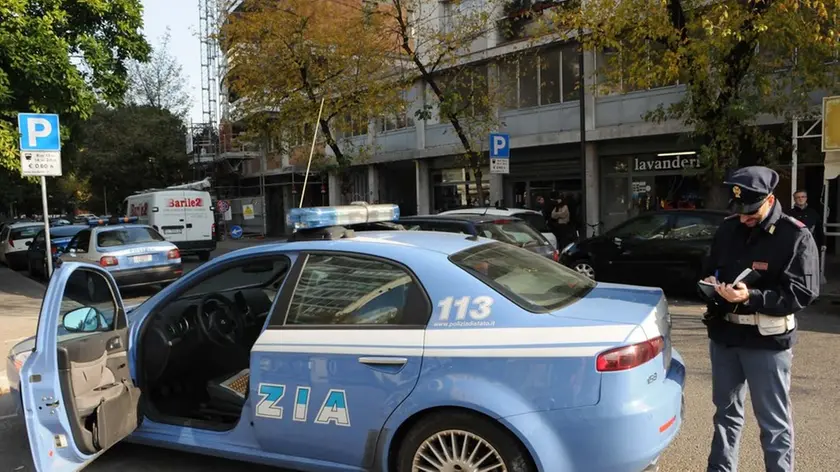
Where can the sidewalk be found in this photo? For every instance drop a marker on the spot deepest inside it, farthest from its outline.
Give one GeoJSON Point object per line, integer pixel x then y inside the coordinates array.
{"type": "Point", "coordinates": [20, 304]}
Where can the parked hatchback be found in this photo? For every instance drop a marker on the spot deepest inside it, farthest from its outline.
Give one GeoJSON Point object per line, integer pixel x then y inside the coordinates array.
{"type": "Point", "coordinates": [505, 229]}
{"type": "Point", "coordinates": [659, 249]}
{"type": "Point", "coordinates": [532, 217]}
{"type": "Point", "coordinates": [14, 241]}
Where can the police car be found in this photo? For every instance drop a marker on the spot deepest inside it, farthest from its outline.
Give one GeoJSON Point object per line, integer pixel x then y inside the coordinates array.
{"type": "Point", "coordinates": [134, 254]}
{"type": "Point", "coordinates": [396, 350]}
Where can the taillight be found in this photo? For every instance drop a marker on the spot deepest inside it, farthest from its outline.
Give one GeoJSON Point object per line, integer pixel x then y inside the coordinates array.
{"type": "Point", "coordinates": [11, 243]}
{"type": "Point", "coordinates": [556, 255]}
{"type": "Point", "coordinates": [53, 249]}
{"type": "Point", "coordinates": [628, 357]}
{"type": "Point", "coordinates": [108, 261]}
{"type": "Point", "coordinates": [213, 230]}
{"type": "Point", "coordinates": [174, 254]}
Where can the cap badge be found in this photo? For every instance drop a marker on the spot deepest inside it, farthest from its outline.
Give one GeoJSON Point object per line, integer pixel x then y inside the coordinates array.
{"type": "Point", "coordinates": [736, 190]}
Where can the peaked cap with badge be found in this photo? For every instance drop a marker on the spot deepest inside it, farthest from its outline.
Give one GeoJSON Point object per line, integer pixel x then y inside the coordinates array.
{"type": "Point", "coordinates": [750, 187]}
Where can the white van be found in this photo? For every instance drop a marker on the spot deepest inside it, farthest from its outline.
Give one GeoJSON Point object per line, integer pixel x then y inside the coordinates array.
{"type": "Point", "coordinates": [183, 217]}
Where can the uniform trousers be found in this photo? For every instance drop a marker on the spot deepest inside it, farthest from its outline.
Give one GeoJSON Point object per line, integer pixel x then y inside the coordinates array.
{"type": "Point", "coordinates": [767, 372]}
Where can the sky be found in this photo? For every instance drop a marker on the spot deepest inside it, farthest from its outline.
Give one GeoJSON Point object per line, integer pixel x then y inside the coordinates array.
{"type": "Point", "coordinates": [181, 16]}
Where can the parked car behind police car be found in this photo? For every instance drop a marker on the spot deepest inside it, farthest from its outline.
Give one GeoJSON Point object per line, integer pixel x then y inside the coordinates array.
{"type": "Point", "coordinates": [403, 351]}
{"type": "Point", "coordinates": [134, 254]}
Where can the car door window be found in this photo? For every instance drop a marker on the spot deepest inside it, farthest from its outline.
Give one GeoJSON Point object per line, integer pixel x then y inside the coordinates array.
{"type": "Point", "coordinates": [356, 290]}
{"type": "Point", "coordinates": [81, 242]}
{"type": "Point", "coordinates": [89, 305]}
{"type": "Point", "coordinates": [38, 241]}
{"type": "Point", "coordinates": [694, 227]}
{"type": "Point", "coordinates": [643, 228]}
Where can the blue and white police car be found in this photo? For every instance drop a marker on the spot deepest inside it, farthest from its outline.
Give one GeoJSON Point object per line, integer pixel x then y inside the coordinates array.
{"type": "Point", "coordinates": [134, 254]}
{"type": "Point", "coordinates": [395, 351]}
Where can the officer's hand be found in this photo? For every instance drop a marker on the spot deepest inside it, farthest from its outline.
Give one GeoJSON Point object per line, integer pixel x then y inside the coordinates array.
{"type": "Point", "coordinates": [733, 294]}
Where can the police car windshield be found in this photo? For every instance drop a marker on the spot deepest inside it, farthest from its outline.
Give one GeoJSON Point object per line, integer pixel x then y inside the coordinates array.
{"type": "Point", "coordinates": [533, 282]}
{"type": "Point", "coordinates": [127, 235]}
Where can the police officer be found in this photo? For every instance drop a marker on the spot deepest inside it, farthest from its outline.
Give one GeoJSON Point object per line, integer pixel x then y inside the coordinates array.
{"type": "Point", "coordinates": [751, 326]}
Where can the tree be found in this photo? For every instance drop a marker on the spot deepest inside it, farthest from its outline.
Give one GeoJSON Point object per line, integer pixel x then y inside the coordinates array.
{"type": "Point", "coordinates": [464, 95]}
{"type": "Point", "coordinates": [285, 57]}
{"type": "Point", "coordinates": [738, 60]}
{"type": "Point", "coordinates": [130, 148]}
{"type": "Point", "coordinates": [61, 57]}
{"type": "Point", "coordinates": [160, 81]}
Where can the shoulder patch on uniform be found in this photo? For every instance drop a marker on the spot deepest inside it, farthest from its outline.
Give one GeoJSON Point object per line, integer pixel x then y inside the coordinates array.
{"type": "Point", "coordinates": [793, 220]}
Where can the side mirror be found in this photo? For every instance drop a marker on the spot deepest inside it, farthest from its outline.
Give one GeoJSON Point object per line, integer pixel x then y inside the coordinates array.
{"type": "Point", "coordinates": [82, 320]}
{"type": "Point", "coordinates": [28, 243]}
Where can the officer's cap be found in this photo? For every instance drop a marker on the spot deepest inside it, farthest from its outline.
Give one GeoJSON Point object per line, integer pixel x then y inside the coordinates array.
{"type": "Point", "coordinates": [749, 187]}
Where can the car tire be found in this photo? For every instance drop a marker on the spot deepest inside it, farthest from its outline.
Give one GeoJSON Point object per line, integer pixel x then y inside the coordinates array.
{"type": "Point", "coordinates": [584, 267]}
{"type": "Point", "coordinates": [204, 256]}
{"type": "Point", "coordinates": [481, 434]}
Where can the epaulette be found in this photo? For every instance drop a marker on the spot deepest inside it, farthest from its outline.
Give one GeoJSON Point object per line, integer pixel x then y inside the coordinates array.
{"type": "Point", "coordinates": [793, 220]}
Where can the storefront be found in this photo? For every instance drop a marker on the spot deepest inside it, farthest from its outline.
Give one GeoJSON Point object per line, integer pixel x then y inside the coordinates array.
{"type": "Point", "coordinates": [638, 183]}
{"type": "Point", "coordinates": [454, 188]}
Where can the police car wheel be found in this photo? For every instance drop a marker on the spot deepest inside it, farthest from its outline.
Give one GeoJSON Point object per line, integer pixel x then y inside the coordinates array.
{"type": "Point", "coordinates": [461, 442]}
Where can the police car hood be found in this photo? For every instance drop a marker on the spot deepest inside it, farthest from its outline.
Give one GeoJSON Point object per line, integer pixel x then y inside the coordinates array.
{"type": "Point", "coordinates": [622, 304]}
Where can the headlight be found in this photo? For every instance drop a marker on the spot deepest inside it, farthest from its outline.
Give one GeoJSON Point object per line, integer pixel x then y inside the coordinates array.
{"type": "Point", "coordinates": [19, 358]}
{"type": "Point", "coordinates": [568, 248]}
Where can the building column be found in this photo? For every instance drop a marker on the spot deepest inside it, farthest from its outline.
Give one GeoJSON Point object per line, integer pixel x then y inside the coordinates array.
{"type": "Point", "coordinates": [423, 186]}
{"type": "Point", "coordinates": [592, 188]}
{"type": "Point", "coordinates": [497, 189]}
{"type": "Point", "coordinates": [334, 189]}
{"type": "Point", "coordinates": [373, 184]}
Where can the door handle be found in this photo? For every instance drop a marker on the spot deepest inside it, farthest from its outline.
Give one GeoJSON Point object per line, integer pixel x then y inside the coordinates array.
{"type": "Point", "coordinates": [51, 404]}
{"type": "Point", "coordinates": [383, 360]}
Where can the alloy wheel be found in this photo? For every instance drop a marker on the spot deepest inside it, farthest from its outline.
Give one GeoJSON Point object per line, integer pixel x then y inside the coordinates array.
{"type": "Point", "coordinates": [457, 451]}
{"type": "Point", "coordinates": [584, 268]}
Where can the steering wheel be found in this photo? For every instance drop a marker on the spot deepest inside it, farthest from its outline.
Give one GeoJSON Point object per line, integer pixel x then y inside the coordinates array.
{"type": "Point", "coordinates": [219, 320]}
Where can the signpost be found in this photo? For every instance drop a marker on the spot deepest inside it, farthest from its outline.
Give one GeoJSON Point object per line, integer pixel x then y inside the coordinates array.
{"type": "Point", "coordinates": [40, 156]}
{"type": "Point", "coordinates": [236, 232]}
{"type": "Point", "coordinates": [499, 153]}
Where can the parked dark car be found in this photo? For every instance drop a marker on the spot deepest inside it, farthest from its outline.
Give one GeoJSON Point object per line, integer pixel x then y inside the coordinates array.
{"type": "Point", "coordinates": [659, 249]}
{"type": "Point", "coordinates": [60, 236]}
{"type": "Point", "coordinates": [505, 229]}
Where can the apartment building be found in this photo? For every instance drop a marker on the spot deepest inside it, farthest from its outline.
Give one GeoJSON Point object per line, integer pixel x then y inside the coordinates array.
{"type": "Point", "coordinates": [627, 166]}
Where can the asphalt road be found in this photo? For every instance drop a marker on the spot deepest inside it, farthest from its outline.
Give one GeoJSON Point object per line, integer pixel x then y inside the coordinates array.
{"type": "Point", "coordinates": [814, 396]}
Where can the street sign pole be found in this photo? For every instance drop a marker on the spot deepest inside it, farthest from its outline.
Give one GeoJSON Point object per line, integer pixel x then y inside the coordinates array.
{"type": "Point", "coordinates": [48, 249]}
{"type": "Point", "coordinates": [40, 156]}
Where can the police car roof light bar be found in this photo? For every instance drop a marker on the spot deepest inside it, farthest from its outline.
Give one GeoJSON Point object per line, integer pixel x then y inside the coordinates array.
{"type": "Point", "coordinates": [112, 221]}
{"type": "Point", "coordinates": [356, 213]}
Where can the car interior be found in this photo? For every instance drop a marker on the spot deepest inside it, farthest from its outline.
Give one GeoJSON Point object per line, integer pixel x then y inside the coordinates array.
{"type": "Point", "coordinates": [195, 352]}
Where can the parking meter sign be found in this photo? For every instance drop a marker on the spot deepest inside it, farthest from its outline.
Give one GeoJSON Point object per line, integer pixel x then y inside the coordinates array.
{"type": "Point", "coordinates": [40, 144]}
{"type": "Point", "coordinates": [499, 153]}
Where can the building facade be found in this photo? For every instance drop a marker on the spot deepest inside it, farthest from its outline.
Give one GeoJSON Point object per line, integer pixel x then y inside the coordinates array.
{"type": "Point", "coordinates": [627, 165]}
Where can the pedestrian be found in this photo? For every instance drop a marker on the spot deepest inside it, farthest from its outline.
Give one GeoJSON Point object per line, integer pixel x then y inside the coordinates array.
{"type": "Point", "coordinates": [752, 326]}
{"type": "Point", "coordinates": [808, 215]}
{"type": "Point", "coordinates": [561, 221]}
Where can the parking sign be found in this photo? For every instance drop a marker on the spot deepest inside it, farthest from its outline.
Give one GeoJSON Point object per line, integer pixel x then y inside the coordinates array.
{"type": "Point", "coordinates": [499, 153]}
{"type": "Point", "coordinates": [40, 144]}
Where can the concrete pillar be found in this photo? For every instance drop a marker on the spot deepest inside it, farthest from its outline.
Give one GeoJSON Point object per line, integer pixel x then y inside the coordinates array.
{"type": "Point", "coordinates": [423, 181]}
{"type": "Point", "coordinates": [592, 187]}
{"type": "Point", "coordinates": [373, 184]}
{"type": "Point", "coordinates": [334, 189]}
{"type": "Point", "coordinates": [590, 86]}
{"type": "Point", "coordinates": [497, 189]}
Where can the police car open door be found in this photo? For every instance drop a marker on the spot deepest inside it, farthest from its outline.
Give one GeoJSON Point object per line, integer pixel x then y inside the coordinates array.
{"type": "Point", "coordinates": [78, 395]}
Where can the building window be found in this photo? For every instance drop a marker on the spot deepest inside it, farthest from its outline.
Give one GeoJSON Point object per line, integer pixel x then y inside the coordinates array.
{"type": "Point", "coordinates": [349, 127]}
{"type": "Point", "coordinates": [399, 119]}
{"type": "Point", "coordinates": [451, 189]}
{"type": "Point", "coordinates": [466, 90]}
{"type": "Point", "coordinates": [552, 76]}
{"type": "Point", "coordinates": [613, 59]}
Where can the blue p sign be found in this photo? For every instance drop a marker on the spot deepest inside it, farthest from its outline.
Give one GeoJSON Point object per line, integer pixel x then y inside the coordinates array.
{"type": "Point", "coordinates": [39, 132]}
{"type": "Point", "coordinates": [499, 145]}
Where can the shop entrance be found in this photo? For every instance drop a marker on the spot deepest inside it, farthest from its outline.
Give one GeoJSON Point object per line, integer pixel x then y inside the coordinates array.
{"type": "Point", "coordinates": [665, 192]}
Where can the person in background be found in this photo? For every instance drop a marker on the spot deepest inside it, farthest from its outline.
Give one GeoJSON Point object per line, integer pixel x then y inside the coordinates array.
{"type": "Point", "coordinates": [808, 215]}
{"type": "Point", "coordinates": [561, 222]}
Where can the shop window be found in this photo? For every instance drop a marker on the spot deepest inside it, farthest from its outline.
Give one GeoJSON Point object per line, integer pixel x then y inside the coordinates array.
{"type": "Point", "coordinates": [615, 204]}
{"type": "Point", "coordinates": [451, 189]}
{"type": "Point", "coordinates": [509, 84]}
